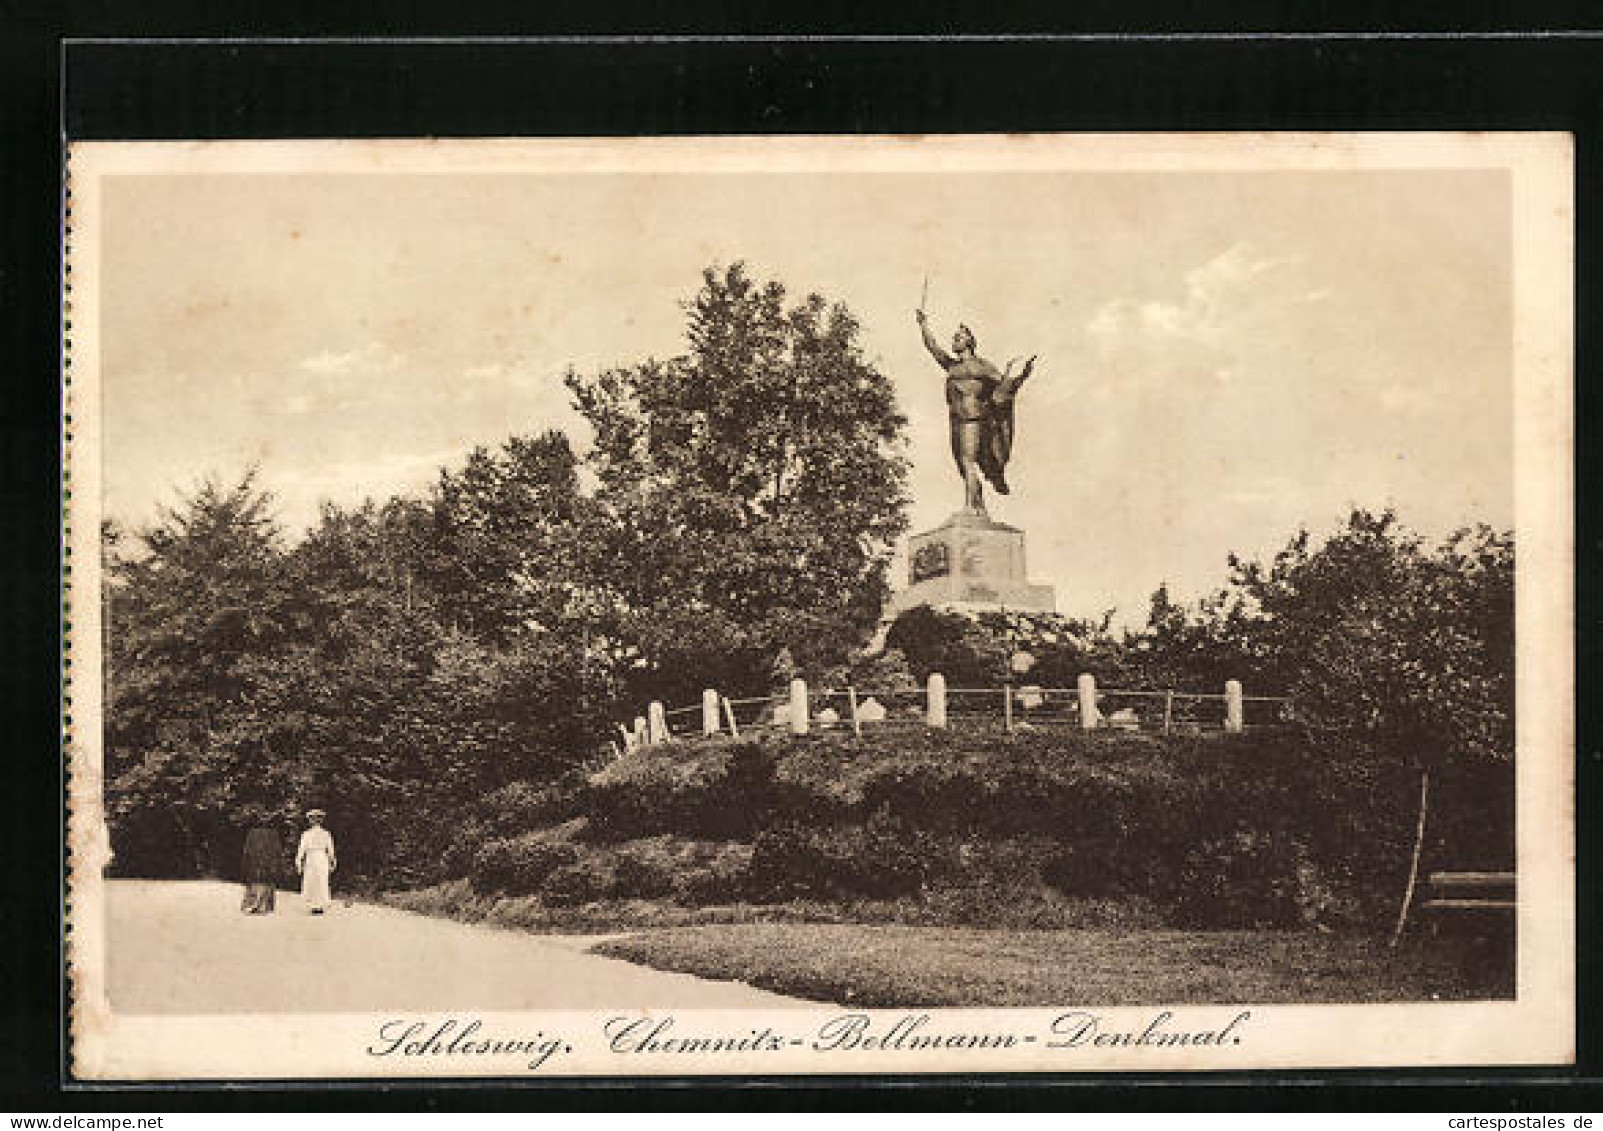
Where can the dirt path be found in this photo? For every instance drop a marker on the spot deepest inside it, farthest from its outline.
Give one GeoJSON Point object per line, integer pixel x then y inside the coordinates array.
{"type": "Point", "coordinates": [184, 947]}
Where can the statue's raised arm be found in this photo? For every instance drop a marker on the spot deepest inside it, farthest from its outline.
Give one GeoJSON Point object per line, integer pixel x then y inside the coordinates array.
{"type": "Point", "coordinates": [942, 358]}
{"type": "Point", "coordinates": [1010, 384]}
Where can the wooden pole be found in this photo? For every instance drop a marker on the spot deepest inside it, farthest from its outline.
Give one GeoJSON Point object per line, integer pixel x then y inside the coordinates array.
{"type": "Point", "coordinates": [1007, 707]}
{"type": "Point", "coordinates": [1168, 711]}
{"type": "Point", "coordinates": [857, 724]}
{"type": "Point", "coordinates": [1413, 865]}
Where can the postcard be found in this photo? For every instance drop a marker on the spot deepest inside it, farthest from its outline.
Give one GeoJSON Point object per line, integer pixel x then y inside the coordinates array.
{"type": "Point", "coordinates": [756, 606]}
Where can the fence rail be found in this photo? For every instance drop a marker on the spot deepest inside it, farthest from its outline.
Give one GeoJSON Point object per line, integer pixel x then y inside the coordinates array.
{"type": "Point", "coordinates": [1012, 708]}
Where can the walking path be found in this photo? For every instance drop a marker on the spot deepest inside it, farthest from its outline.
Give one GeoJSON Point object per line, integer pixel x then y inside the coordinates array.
{"type": "Point", "coordinates": [184, 947]}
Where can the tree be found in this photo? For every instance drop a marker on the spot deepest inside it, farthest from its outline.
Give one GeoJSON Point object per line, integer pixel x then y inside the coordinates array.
{"type": "Point", "coordinates": [247, 681]}
{"type": "Point", "coordinates": [976, 649]}
{"type": "Point", "coordinates": [1376, 632]}
{"type": "Point", "coordinates": [504, 540]}
{"type": "Point", "coordinates": [1193, 649]}
{"type": "Point", "coordinates": [193, 610]}
{"type": "Point", "coordinates": [450, 658]}
{"type": "Point", "coordinates": [753, 488]}
{"type": "Point", "coordinates": [1404, 651]}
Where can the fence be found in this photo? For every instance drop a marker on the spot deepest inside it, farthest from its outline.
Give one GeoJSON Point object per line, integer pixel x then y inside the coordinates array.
{"type": "Point", "coordinates": [1012, 708]}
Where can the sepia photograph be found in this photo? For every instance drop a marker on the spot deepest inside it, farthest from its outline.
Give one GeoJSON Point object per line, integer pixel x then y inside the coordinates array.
{"type": "Point", "coordinates": [730, 606]}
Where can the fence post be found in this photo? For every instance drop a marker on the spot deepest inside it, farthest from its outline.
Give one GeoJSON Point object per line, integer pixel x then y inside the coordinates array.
{"type": "Point", "coordinates": [1233, 707]}
{"type": "Point", "coordinates": [642, 735]}
{"type": "Point", "coordinates": [798, 706]}
{"type": "Point", "coordinates": [709, 712]}
{"type": "Point", "coordinates": [1168, 710]}
{"type": "Point", "coordinates": [935, 708]}
{"type": "Point", "coordinates": [857, 724]}
{"type": "Point", "coordinates": [1007, 707]}
{"type": "Point", "coordinates": [1088, 712]}
{"type": "Point", "coordinates": [658, 722]}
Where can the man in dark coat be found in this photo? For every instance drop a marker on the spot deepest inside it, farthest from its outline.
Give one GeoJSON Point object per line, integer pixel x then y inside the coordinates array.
{"type": "Point", "coordinates": [263, 857]}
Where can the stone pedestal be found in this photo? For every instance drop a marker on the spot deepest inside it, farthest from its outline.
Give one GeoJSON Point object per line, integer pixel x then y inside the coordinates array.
{"type": "Point", "coordinates": [970, 561]}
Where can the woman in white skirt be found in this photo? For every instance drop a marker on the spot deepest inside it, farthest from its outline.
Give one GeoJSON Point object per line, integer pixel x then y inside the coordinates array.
{"type": "Point", "coordinates": [314, 860]}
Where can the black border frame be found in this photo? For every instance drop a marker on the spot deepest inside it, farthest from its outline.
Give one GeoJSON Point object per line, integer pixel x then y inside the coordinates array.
{"type": "Point", "coordinates": [628, 83]}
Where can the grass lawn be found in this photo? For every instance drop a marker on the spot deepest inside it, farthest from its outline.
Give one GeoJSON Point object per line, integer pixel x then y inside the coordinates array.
{"type": "Point", "coordinates": [907, 966]}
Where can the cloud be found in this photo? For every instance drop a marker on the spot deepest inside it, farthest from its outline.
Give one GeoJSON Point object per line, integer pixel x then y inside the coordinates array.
{"type": "Point", "coordinates": [1192, 418]}
{"type": "Point", "coordinates": [381, 472]}
{"type": "Point", "coordinates": [1214, 294]}
{"type": "Point", "coordinates": [300, 487]}
{"type": "Point", "coordinates": [331, 380]}
{"type": "Point", "coordinates": [375, 357]}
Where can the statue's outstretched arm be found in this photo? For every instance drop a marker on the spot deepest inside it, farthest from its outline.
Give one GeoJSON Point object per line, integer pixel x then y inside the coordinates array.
{"type": "Point", "coordinates": [1010, 383]}
{"type": "Point", "coordinates": [944, 359]}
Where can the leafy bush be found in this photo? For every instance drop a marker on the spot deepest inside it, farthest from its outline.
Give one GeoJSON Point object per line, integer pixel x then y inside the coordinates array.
{"type": "Point", "coordinates": [1028, 788]}
{"type": "Point", "coordinates": [1070, 802]}
{"type": "Point", "coordinates": [896, 858]}
{"type": "Point", "coordinates": [1251, 879]}
{"type": "Point", "coordinates": [520, 806]}
{"type": "Point", "coordinates": [795, 862]}
{"type": "Point", "coordinates": [715, 792]}
{"type": "Point", "coordinates": [1105, 868]}
{"type": "Point", "coordinates": [740, 798]}
{"type": "Point", "coordinates": [584, 881]}
{"type": "Point", "coordinates": [884, 859]}
{"type": "Point", "coordinates": [665, 789]}
{"type": "Point", "coordinates": [466, 842]}
{"type": "Point", "coordinates": [926, 796]}
{"type": "Point", "coordinates": [639, 874]}
{"type": "Point", "coordinates": [972, 649]}
{"type": "Point", "coordinates": [1109, 818]}
{"type": "Point", "coordinates": [721, 876]}
{"type": "Point", "coordinates": [520, 865]}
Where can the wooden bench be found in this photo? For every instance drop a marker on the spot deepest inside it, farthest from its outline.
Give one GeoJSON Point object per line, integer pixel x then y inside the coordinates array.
{"type": "Point", "coordinates": [1475, 892]}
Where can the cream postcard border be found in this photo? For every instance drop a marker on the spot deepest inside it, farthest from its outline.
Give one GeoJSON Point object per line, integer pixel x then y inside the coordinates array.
{"type": "Point", "coordinates": [1538, 1028]}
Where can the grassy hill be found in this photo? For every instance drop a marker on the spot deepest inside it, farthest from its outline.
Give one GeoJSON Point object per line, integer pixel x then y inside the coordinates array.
{"type": "Point", "coordinates": [959, 827]}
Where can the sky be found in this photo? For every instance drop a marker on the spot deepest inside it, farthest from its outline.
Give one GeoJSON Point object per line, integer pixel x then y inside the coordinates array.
{"type": "Point", "coordinates": [1224, 356]}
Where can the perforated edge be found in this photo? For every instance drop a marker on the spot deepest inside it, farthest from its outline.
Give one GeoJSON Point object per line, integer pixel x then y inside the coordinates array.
{"type": "Point", "coordinates": [71, 979]}
{"type": "Point", "coordinates": [86, 848]}
{"type": "Point", "coordinates": [73, 857]}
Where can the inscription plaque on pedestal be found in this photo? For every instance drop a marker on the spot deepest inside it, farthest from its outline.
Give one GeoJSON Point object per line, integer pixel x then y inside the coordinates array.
{"type": "Point", "coordinates": [972, 561]}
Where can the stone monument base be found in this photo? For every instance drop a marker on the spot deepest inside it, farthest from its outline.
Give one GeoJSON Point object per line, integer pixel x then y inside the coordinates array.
{"type": "Point", "coordinates": [970, 561]}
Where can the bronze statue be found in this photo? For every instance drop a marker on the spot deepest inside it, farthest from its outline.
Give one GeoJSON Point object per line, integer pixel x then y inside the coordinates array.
{"type": "Point", "coordinates": [979, 405]}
